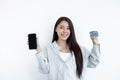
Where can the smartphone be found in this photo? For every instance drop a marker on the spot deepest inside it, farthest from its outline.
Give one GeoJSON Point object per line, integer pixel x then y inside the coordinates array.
{"type": "Point", "coordinates": [32, 41]}
{"type": "Point", "coordinates": [94, 34]}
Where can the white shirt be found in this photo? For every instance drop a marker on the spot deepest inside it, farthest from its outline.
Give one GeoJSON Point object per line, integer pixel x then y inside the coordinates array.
{"type": "Point", "coordinates": [64, 56]}
{"type": "Point", "coordinates": [71, 72]}
{"type": "Point", "coordinates": [51, 63]}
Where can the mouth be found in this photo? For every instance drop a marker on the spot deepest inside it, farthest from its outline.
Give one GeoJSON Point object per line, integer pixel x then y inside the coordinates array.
{"type": "Point", "coordinates": [64, 35]}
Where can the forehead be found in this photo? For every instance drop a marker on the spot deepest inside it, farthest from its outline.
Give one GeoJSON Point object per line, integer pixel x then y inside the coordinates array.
{"type": "Point", "coordinates": [63, 23]}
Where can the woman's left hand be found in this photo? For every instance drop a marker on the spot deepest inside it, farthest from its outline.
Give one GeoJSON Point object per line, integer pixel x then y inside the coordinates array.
{"type": "Point", "coordinates": [95, 40]}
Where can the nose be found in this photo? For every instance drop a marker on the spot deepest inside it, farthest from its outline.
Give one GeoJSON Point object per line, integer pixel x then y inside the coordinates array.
{"type": "Point", "coordinates": [65, 30]}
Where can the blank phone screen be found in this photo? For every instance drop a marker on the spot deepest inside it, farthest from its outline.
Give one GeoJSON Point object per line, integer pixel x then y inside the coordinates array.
{"type": "Point", "coordinates": [32, 41]}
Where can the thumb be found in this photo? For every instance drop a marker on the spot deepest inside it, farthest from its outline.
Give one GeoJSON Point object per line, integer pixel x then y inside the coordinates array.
{"type": "Point", "coordinates": [38, 46]}
{"type": "Point", "coordinates": [95, 40]}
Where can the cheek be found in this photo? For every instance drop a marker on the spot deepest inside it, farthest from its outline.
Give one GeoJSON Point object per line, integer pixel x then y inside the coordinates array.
{"type": "Point", "coordinates": [69, 31]}
{"type": "Point", "coordinates": [59, 33]}
{"type": "Point", "coordinates": [58, 30]}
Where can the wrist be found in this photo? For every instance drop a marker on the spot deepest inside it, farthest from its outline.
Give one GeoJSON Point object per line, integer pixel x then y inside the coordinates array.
{"type": "Point", "coordinates": [38, 51]}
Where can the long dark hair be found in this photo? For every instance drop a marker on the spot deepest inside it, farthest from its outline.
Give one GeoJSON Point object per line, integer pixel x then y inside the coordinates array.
{"type": "Point", "coordinates": [72, 43]}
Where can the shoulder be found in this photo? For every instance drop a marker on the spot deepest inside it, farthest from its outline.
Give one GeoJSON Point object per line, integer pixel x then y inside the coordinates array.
{"type": "Point", "coordinates": [83, 48]}
{"type": "Point", "coordinates": [85, 51]}
{"type": "Point", "coordinates": [51, 46]}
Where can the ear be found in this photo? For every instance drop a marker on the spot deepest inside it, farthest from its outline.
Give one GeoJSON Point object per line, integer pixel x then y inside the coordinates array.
{"type": "Point", "coordinates": [56, 29]}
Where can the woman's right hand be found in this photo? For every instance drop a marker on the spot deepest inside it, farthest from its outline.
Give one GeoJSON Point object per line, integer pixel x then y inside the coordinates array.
{"type": "Point", "coordinates": [38, 47]}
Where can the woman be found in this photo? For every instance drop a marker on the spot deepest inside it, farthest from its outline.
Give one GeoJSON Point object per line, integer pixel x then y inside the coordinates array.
{"type": "Point", "coordinates": [64, 59]}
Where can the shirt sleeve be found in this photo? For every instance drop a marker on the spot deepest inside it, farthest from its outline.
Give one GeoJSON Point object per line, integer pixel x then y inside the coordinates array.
{"type": "Point", "coordinates": [94, 56]}
{"type": "Point", "coordinates": [43, 62]}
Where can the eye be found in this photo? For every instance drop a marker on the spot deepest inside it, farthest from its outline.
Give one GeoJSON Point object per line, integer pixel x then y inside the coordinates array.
{"type": "Point", "coordinates": [61, 27]}
{"type": "Point", "coordinates": [68, 27]}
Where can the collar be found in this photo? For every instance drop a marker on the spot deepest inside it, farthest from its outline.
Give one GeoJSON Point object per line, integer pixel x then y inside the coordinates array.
{"type": "Point", "coordinates": [57, 48]}
{"type": "Point", "coordinates": [55, 45]}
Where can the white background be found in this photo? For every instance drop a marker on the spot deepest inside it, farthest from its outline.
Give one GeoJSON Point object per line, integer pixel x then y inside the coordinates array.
{"type": "Point", "coordinates": [18, 18]}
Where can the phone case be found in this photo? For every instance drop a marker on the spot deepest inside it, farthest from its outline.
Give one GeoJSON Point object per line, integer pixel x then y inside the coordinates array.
{"type": "Point", "coordinates": [32, 42]}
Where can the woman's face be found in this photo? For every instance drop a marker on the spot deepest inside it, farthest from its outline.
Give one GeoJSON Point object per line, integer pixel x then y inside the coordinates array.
{"type": "Point", "coordinates": [63, 30]}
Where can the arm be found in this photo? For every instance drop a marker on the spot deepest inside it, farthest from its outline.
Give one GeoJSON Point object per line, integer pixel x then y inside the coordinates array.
{"type": "Point", "coordinates": [94, 56]}
{"type": "Point", "coordinates": [42, 59]}
{"type": "Point", "coordinates": [43, 62]}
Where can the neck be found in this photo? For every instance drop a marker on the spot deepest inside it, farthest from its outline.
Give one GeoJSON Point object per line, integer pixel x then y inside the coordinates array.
{"type": "Point", "coordinates": [63, 45]}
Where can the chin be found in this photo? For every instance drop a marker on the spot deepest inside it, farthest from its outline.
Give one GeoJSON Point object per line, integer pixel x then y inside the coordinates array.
{"type": "Point", "coordinates": [64, 39]}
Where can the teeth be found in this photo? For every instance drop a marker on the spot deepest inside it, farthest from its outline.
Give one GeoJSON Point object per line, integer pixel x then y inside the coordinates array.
{"type": "Point", "coordinates": [64, 35]}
